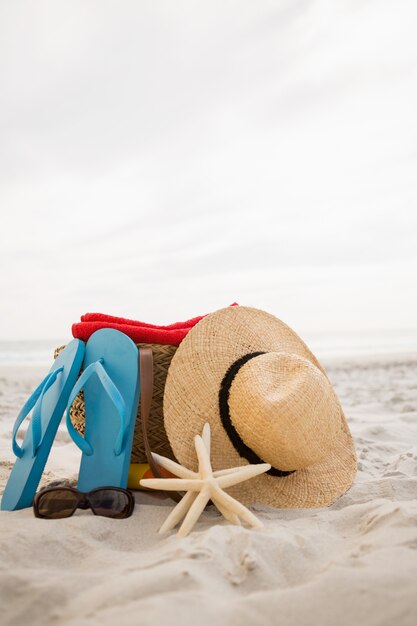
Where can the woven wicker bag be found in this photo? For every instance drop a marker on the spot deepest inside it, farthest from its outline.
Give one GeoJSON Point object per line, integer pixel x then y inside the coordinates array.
{"type": "Point", "coordinates": [158, 439]}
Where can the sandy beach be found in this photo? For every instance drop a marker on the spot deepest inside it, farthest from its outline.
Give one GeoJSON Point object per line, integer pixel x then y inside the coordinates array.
{"type": "Point", "coordinates": [160, 161]}
{"type": "Point", "coordinates": [353, 563]}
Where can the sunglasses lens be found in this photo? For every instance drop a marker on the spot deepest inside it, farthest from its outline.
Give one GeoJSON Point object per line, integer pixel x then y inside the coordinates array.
{"type": "Point", "coordinates": [111, 503]}
{"type": "Point", "coordinates": [57, 503]}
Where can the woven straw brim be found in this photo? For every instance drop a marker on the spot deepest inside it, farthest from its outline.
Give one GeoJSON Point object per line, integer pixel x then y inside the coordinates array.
{"type": "Point", "coordinates": [191, 399]}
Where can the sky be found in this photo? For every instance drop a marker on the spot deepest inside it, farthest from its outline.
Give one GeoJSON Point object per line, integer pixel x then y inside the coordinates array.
{"type": "Point", "coordinates": [159, 160]}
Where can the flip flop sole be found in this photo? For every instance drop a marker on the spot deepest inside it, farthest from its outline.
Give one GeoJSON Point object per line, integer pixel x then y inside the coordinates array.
{"type": "Point", "coordinates": [27, 470]}
{"type": "Point", "coordinates": [119, 357]}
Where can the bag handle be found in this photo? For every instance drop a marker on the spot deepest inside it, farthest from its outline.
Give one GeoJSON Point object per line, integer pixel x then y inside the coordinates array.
{"type": "Point", "coordinates": [146, 391]}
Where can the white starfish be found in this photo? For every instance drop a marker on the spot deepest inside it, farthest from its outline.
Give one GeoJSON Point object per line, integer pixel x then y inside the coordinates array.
{"type": "Point", "coordinates": [203, 486]}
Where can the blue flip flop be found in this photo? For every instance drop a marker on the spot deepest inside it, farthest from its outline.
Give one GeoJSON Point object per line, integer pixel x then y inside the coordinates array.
{"type": "Point", "coordinates": [111, 393]}
{"type": "Point", "coordinates": [48, 402]}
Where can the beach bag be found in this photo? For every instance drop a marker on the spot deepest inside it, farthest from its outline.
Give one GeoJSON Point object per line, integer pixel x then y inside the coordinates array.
{"type": "Point", "coordinates": [163, 341]}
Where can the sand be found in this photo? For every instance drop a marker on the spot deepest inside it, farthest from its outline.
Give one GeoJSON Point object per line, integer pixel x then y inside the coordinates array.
{"type": "Point", "coordinates": [353, 563]}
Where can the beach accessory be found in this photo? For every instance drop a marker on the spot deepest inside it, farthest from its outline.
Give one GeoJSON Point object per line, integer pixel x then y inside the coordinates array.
{"type": "Point", "coordinates": [163, 340]}
{"type": "Point", "coordinates": [60, 502]}
{"type": "Point", "coordinates": [202, 486]}
{"type": "Point", "coordinates": [157, 436]}
{"type": "Point", "coordinates": [137, 471]}
{"type": "Point", "coordinates": [110, 381]}
{"type": "Point", "coordinates": [48, 403]}
{"type": "Point", "coordinates": [268, 399]}
{"type": "Point", "coordinates": [139, 332]}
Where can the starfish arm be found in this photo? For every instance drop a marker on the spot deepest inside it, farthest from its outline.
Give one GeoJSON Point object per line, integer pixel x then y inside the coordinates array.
{"type": "Point", "coordinates": [178, 512]}
{"type": "Point", "coordinates": [206, 437]}
{"type": "Point", "coordinates": [246, 472]}
{"type": "Point", "coordinates": [204, 465]}
{"type": "Point", "coordinates": [172, 484]}
{"type": "Point", "coordinates": [227, 514]}
{"type": "Point", "coordinates": [173, 467]}
{"type": "Point", "coordinates": [194, 512]}
{"type": "Point", "coordinates": [236, 507]}
{"type": "Point", "coordinates": [229, 470]}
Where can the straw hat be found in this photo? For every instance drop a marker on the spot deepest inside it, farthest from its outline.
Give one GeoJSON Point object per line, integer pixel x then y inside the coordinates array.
{"type": "Point", "coordinates": [267, 399]}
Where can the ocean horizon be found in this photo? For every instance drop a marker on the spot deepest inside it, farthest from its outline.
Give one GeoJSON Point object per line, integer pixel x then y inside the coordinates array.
{"type": "Point", "coordinates": [324, 344]}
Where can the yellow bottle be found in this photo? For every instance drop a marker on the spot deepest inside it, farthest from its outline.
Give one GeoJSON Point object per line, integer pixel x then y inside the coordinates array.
{"type": "Point", "coordinates": [137, 471]}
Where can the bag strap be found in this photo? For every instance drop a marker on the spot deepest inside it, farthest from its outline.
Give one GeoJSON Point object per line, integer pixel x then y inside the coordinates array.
{"type": "Point", "coordinates": [146, 391]}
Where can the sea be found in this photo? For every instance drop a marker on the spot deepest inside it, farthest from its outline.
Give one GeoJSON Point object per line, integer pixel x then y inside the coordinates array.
{"type": "Point", "coordinates": [29, 352]}
{"type": "Point", "coordinates": [325, 345]}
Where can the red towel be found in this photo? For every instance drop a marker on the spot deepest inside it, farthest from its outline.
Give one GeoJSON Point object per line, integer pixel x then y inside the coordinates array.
{"type": "Point", "coordinates": [102, 317]}
{"type": "Point", "coordinates": [139, 332]}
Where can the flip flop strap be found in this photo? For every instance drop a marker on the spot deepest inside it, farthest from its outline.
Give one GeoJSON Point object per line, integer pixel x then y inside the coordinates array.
{"type": "Point", "coordinates": [115, 396]}
{"type": "Point", "coordinates": [34, 402]}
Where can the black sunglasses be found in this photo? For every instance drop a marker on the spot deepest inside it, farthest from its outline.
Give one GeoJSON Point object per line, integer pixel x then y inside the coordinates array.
{"type": "Point", "coordinates": [59, 502]}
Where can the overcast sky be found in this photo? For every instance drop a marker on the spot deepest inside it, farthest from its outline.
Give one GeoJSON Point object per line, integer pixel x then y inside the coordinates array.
{"type": "Point", "coordinates": [163, 159]}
